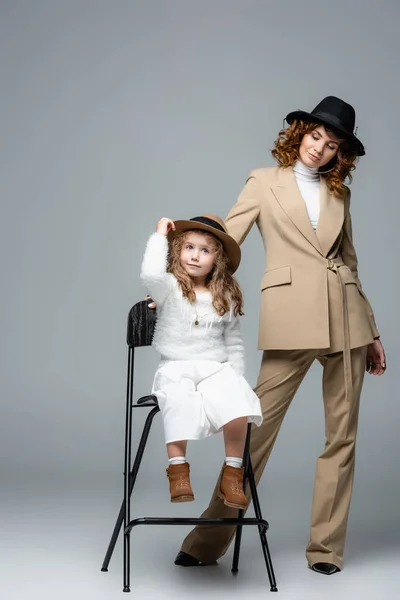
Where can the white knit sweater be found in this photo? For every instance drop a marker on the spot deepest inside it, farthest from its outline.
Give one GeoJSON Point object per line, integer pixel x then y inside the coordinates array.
{"type": "Point", "coordinates": [176, 335]}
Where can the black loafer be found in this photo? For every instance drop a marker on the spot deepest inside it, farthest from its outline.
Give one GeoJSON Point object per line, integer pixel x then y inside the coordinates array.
{"type": "Point", "coordinates": [185, 560]}
{"type": "Point", "coordinates": [325, 568]}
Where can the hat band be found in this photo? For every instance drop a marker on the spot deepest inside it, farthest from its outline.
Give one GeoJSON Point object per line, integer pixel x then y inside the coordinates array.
{"type": "Point", "coordinates": [332, 119]}
{"type": "Point", "coordinates": [209, 222]}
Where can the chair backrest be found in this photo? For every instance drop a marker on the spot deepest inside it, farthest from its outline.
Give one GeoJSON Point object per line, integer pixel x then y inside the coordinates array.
{"type": "Point", "coordinates": [141, 324]}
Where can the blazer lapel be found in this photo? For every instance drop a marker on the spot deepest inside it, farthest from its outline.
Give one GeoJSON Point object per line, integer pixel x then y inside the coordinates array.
{"type": "Point", "coordinates": [331, 218]}
{"type": "Point", "coordinates": [288, 195]}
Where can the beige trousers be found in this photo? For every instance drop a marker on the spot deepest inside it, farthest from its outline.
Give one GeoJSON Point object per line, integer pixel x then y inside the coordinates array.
{"type": "Point", "coordinates": [281, 373]}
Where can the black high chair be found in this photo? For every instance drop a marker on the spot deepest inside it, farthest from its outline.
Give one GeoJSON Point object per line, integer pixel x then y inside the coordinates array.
{"type": "Point", "coordinates": [141, 322]}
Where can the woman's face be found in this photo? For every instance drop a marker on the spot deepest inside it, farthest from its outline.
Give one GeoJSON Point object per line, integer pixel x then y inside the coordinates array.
{"type": "Point", "coordinates": [318, 147]}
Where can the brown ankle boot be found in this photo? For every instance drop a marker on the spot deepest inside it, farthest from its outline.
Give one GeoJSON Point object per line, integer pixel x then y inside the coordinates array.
{"type": "Point", "coordinates": [231, 487]}
{"type": "Point", "coordinates": [179, 483]}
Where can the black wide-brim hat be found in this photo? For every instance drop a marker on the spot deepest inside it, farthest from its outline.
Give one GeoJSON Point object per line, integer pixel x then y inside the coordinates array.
{"type": "Point", "coordinates": [215, 225]}
{"type": "Point", "coordinates": [334, 113]}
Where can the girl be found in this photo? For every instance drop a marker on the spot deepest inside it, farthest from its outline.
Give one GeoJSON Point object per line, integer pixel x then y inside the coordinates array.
{"type": "Point", "coordinates": [188, 270]}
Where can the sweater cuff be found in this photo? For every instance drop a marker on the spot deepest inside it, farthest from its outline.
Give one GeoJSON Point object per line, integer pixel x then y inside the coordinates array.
{"type": "Point", "coordinates": [156, 253]}
{"type": "Point", "coordinates": [158, 239]}
{"type": "Point", "coordinates": [238, 367]}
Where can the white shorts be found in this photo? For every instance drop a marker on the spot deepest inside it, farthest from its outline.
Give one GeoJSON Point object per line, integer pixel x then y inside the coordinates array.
{"type": "Point", "coordinates": [198, 397]}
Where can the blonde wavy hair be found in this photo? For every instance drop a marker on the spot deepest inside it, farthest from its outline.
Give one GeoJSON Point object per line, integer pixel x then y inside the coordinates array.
{"type": "Point", "coordinates": [224, 288]}
{"type": "Point", "coordinates": [286, 152]}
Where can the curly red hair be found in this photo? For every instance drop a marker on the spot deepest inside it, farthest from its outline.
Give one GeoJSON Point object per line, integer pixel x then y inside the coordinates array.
{"type": "Point", "coordinates": [286, 152]}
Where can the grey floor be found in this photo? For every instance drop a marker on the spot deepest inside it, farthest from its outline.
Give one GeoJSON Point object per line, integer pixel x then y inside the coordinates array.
{"type": "Point", "coordinates": [54, 538]}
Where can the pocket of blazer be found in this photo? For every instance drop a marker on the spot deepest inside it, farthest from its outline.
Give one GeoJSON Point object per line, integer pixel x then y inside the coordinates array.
{"type": "Point", "coordinates": [274, 277]}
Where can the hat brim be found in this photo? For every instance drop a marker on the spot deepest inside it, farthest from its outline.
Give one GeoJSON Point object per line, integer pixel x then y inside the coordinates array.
{"type": "Point", "coordinates": [231, 247]}
{"type": "Point", "coordinates": [305, 116]}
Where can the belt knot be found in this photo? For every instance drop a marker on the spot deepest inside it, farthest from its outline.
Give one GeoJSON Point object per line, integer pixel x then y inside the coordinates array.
{"type": "Point", "coordinates": [331, 265]}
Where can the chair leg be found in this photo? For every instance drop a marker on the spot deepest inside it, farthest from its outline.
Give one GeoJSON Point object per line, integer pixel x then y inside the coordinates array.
{"type": "Point", "coordinates": [239, 528]}
{"type": "Point", "coordinates": [263, 537]}
{"type": "Point", "coordinates": [127, 465]}
{"type": "Point", "coordinates": [238, 539]}
{"type": "Point", "coordinates": [132, 480]}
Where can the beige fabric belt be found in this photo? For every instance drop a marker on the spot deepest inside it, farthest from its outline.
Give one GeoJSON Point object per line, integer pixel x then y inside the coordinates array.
{"type": "Point", "coordinates": [335, 266]}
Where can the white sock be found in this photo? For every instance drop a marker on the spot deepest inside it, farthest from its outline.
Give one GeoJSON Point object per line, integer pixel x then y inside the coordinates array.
{"type": "Point", "coordinates": [232, 461]}
{"type": "Point", "coordinates": [177, 460]}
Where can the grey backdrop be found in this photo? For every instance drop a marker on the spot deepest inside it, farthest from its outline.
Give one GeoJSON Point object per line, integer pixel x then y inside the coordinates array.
{"type": "Point", "coordinates": [113, 114]}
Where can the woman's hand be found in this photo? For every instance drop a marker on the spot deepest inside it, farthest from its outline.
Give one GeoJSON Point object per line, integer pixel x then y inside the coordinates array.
{"type": "Point", "coordinates": [164, 225]}
{"type": "Point", "coordinates": [152, 304]}
{"type": "Point", "coordinates": [376, 360]}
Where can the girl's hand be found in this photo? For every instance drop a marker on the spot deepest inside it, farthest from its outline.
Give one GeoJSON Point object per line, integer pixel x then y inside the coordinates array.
{"type": "Point", "coordinates": [164, 225]}
{"type": "Point", "coordinates": [376, 360]}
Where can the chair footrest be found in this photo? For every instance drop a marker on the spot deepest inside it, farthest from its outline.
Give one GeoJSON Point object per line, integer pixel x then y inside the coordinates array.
{"type": "Point", "coordinates": [195, 521]}
{"type": "Point", "coordinates": [150, 400]}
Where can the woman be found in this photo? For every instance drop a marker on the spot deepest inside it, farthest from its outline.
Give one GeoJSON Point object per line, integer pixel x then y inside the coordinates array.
{"type": "Point", "coordinates": [312, 307]}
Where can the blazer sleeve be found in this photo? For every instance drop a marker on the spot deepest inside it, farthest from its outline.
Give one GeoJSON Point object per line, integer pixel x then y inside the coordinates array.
{"type": "Point", "coordinates": [153, 275]}
{"type": "Point", "coordinates": [349, 257]}
{"type": "Point", "coordinates": [245, 212]}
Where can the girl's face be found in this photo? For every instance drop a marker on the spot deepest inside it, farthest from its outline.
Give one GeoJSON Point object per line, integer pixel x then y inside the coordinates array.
{"type": "Point", "coordinates": [198, 254]}
{"type": "Point", "coordinates": [318, 147]}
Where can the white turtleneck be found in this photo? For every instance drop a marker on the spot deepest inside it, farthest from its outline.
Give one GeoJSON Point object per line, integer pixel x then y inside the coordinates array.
{"type": "Point", "coordinates": [308, 182]}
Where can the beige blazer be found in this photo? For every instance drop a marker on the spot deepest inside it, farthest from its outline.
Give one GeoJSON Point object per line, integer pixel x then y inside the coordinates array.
{"type": "Point", "coordinates": [311, 296]}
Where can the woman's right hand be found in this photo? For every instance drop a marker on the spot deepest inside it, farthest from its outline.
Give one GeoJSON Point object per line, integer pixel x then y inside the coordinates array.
{"type": "Point", "coordinates": [164, 225]}
{"type": "Point", "coordinates": [152, 304]}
